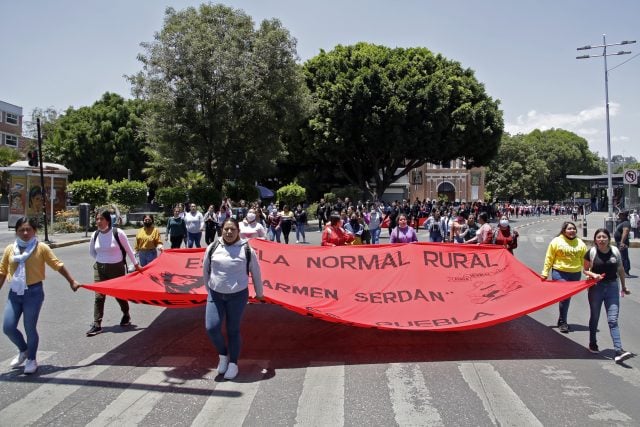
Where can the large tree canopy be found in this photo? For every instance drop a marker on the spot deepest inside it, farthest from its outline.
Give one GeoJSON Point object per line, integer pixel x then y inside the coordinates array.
{"type": "Point", "coordinates": [223, 94]}
{"type": "Point", "coordinates": [102, 140]}
{"type": "Point", "coordinates": [535, 165]}
{"type": "Point", "coordinates": [381, 112]}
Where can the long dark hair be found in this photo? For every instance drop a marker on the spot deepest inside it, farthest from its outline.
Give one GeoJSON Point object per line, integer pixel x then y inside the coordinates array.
{"type": "Point", "coordinates": [565, 225]}
{"type": "Point", "coordinates": [106, 215]}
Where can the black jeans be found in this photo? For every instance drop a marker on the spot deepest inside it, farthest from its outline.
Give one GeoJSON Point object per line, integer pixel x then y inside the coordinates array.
{"type": "Point", "coordinates": [103, 272]}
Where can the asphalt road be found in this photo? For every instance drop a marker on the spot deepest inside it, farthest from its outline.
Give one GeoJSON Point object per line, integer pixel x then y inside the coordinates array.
{"type": "Point", "coordinates": [296, 370]}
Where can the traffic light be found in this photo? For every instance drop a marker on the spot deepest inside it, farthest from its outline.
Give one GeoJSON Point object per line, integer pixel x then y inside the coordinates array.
{"type": "Point", "coordinates": [33, 158]}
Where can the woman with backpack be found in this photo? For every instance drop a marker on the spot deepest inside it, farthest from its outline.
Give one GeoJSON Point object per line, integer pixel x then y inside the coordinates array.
{"type": "Point", "coordinates": [604, 263]}
{"type": "Point", "coordinates": [227, 263]}
{"type": "Point", "coordinates": [109, 247]}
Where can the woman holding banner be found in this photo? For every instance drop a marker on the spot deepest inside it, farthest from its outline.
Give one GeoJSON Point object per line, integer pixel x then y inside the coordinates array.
{"type": "Point", "coordinates": [227, 264]}
{"type": "Point", "coordinates": [564, 260]}
{"type": "Point", "coordinates": [604, 263]}
{"type": "Point", "coordinates": [23, 263]}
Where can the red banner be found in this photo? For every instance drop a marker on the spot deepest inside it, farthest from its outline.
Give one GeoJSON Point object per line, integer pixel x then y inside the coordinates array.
{"type": "Point", "coordinates": [419, 286]}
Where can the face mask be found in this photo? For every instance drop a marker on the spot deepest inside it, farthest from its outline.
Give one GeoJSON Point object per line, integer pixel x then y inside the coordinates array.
{"type": "Point", "coordinates": [147, 223]}
{"type": "Point", "coordinates": [504, 223]}
{"type": "Point", "coordinates": [251, 217]}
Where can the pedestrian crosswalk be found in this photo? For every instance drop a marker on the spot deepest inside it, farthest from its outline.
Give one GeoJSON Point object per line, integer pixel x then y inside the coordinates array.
{"type": "Point", "coordinates": [101, 390]}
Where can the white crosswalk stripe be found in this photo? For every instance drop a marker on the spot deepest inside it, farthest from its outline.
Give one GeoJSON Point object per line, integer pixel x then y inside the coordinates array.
{"type": "Point", "coordinates": [42, 355]}
{"type": "Point", "coordinates": [502, 404]}
{"type": "Point", "coordinates": [410, 397]}
{"type": "Point", "coordinates": [133, 404]}
{"type": "Point", "coordinates": [44, 398]}
{"type": "Point", "coordinates": [230, 401]}
{"type": "Point", "coordinates": [322, 400]}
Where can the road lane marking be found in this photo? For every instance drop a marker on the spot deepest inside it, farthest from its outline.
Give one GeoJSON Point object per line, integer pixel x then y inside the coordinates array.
{"type": "Point", "coordinates": [410, 397]}
{"type": "Point", "coordinates": [42, 355]}
{"type": "Point", "coordinates": [231, 401]}
{"type": "Point", "coordinates": [321, 402]}
{"type": "Point", "coordinates": [44, 398]}
{"type": "Point", "coordinates": [631, 376]}
{"type": "Point", "coordinates": [135, 403]}
{"type": "Point", "coordinates": [502, 404]}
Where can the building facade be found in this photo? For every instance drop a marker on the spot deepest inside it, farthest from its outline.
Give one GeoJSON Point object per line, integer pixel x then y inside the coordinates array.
{"type": "Point", "coordinates": [11, 126]}
{"type": "Point", "coordinates": [450, 181]}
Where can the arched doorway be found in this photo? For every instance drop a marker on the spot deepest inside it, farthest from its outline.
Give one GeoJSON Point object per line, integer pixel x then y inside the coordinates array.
{"type": "Point", "coordinates": [446, 191]}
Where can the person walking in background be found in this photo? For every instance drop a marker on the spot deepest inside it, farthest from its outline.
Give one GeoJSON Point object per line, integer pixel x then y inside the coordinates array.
{"type": "Point", "coordinates": [355, 226]}
{"type": "Point", "coordinates": [210, 224]}
{"type": "Point", "coordinates": [286, 222]}
{"type": "Point", "coordinates": [403, 232]}
{"type": "Point", "coordinates": [195, 225]}
{"type": "Point", "coordinates": [504, 235]}
{"type": "Point", "coordinates": [300, 215]}
{"type": "Point", "coordinates": [148, 241]}
{"type": "Point", "coordinates": [621, 236]}
{"type": "Point", "coordinates": [109, 247]}
{"type": "Point", "coordinates": [564, 260]}
{"type": "Point", "coordinates": [274, 229]}
{"type": "Point", "coordinates": [226, 265]}
{"type": "Point", "coordinates": [176, 230]}
{"type": "Point", "coordinates": [322, 213]}
{"type": "Point", "coordinates": [334, 234]}
{"type": "Point", "coordinates": [603, 262]}
{"type": "Point", "coordinates": [484, 235]}
{"type": "Point", "coordinates": [375, 221]}
{"type": "Point", "coordinates": [23, 263]}
{"type": "Point", "coordinates": [471, 230]}
{"type": "Point", "coordinates": [250, 228]}
{"type": "Point", "coordinates": [633, 221]}
{"type": "Point", "coordinates": [435, 226]}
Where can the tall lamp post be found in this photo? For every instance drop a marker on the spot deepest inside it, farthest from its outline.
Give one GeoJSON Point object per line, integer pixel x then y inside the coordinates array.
{"type": "Point", "coordinates": [604, 54]}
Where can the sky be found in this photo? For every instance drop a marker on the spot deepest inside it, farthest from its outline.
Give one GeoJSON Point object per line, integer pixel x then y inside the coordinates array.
{"type": "Point", "coordinates": [67, 53]}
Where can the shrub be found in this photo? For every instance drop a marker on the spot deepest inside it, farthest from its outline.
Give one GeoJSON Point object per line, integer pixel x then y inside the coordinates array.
{"type": "Point", "coordinates": [128, 193]}
{"type": "Point", "coordinates": [171, 196]}
{"type": "Point", "coordinates": [94, 191]}
{"type": "Point", "coordinates": [291, 195]}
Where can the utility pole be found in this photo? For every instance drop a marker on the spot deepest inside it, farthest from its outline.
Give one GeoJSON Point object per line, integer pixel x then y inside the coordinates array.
{"type": "Point", "coordinates": [610, 220]}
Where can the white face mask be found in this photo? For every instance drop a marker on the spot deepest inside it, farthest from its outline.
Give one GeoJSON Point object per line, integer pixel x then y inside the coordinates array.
{"type": "Point", "coordinates": [251, 217]}
{"type": "Point", "coordinates": [504, 223]}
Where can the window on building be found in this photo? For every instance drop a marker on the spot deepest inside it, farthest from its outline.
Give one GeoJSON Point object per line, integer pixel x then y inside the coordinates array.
{"type": "Point", "coordinates": [12, 119]}
{"type": "Point", "coordinates": [11, 140]}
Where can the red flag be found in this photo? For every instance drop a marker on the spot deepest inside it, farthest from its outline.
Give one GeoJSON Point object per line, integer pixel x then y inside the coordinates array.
{"type": "Point", "coordinates": [419, 286]}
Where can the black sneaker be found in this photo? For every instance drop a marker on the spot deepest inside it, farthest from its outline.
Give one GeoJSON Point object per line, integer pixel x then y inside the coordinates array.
{"type": "Point", "coordinates": [95, 330]}
{"type": "Point", "coordinates": [564, 328]}
{"type": "Point", "coordinates": [622, 355]}
{"type": "Point", "coordinates": [593, 348]}
{"type": "Point", "coordinates": [126, 320]}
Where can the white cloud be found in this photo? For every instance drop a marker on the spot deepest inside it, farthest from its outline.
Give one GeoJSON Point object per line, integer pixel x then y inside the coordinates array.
{"type": "Point", "coordinates": [581, 122]}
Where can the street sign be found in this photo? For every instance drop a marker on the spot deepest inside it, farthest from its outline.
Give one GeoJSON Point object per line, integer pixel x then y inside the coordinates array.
{"type": "Point", "coordinates": [630, 176]}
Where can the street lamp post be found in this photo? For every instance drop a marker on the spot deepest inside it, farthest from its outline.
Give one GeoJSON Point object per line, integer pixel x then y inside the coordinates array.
{"type": "Point", "coordinates": [604, 54]}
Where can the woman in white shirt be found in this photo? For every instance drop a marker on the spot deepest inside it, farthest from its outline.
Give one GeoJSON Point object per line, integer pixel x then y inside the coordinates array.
{"type": "Point", "coordinates": [250, 228]}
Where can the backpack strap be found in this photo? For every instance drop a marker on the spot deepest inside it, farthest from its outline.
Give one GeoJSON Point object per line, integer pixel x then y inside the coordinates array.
{"type": "Point", "coordinates": [115, 236]}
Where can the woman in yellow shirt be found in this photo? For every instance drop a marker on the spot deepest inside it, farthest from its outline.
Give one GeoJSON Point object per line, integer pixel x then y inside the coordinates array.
{"type": "Point", "coordinates": [148, 241]}
{"type": "Point", "coordinates": [564, 259]}
{"type": "Point", "coordinates": [23, 264]}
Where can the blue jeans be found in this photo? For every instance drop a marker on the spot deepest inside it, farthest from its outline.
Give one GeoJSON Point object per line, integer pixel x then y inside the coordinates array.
{"type": "Point", "coordinates": [564, 276]}
{"type": "Point", "coordinates": [146, 256]}
{"type": "Point", "coordinates": [300, 231]}
{"type": "Point", "coordinates": [28, 304]}
{"type": "Point", "coordinates": [194, 238]}
{"type": "Point", "coordinates": [274, 233]}
{"type": "Point", "coordinates": [227, 307]}
{"type": "Point", "coordinates": [375, 235]}
{"type": "Point", "coordinates": [606, 292]}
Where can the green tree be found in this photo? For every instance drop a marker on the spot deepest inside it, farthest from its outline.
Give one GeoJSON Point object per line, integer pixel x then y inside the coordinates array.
{"type": "Point", "coordinates": [224, 95]}
{"type": "Point", "coordinates": [381, 112]}
{"type": "Point", "coordinates": [93, 191]}
{"type": "Point", "coordinates": [101, 140]}
{"type": "Point", "coordinates": [535, 165]}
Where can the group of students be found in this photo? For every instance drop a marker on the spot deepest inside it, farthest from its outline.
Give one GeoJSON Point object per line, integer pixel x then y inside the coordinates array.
{"type": "Point", "coordinates": [229, 261]}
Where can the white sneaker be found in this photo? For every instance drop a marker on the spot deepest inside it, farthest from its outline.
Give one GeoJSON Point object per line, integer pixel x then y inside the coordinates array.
{"type": "Point", "coordinates": [232, 371]}
{"type": "Point", "coordinates": [19, 359]}
{"type": "Point", "coordinates": [31, 366]}
{"type": "Point", "coordinates": [223, 364]}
